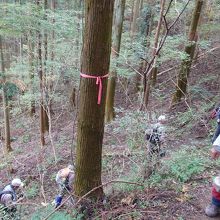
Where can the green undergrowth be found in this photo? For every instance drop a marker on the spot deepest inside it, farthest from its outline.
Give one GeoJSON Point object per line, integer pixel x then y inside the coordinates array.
{"type": "Point", "coordinates": [193, 118]}
{"type": "Point", "coordinates": [182, 166]}
{"type": "Point", "coordinates": [44, 212]}
{"type": "Point", "coordinates": [32, 190]}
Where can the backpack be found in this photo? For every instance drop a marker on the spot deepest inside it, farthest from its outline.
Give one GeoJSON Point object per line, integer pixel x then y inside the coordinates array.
{"type": "Point", "coordinates": [7, 192]}
{"type": "Point", "coordinates": [154, 137]}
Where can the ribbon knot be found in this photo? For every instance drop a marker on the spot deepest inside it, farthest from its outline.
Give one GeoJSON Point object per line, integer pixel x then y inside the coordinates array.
{"type": "Point", "coordinates": [98, 82]}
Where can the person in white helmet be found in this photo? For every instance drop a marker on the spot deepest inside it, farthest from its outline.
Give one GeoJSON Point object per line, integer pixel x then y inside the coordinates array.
{"type": "Point", "coordinates": [64, 179]}
{"type": "Point", "coordinates": [8, 196]}
{"type": "Point", "coordinates": [155, 135]}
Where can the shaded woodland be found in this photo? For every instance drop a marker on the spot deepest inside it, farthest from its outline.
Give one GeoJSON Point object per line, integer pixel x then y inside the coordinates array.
{"type": "Point", "coordinates": [81, 81]}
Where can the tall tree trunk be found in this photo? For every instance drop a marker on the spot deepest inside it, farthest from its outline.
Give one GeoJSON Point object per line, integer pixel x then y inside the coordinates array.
{"type": "Point", "coordinates": [135, 17]}
{"type": "Point", "coordinates": [152, 75]}
{"type": "Point", "coordinates": [40, 73]}
{"type": "Point", "coordinates": [116, 42]}
{"type": "Point", "coordinates": [90, 128]}
{"type": "Point", "coordinates": [46, 89]}
{"type": "Point", "coordinates": [5, 103]}
{"type": "Point", "coordinates": [181, 88]}
{"type": "Point", "coordinates": [141, 4]}
{"type": "Point", "coordinates": [50, 83]}
{"type": "Point", "coordinates": [73, 94]}
{"type": "Point", "coordinates": [31, 70]}
{"type": "Point", "coordinates": [132, 14]}
{"type": "Point", "coordinates": [143, 63]}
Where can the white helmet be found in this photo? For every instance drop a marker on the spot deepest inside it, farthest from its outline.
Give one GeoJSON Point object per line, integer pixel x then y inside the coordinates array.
{"type": "Point", "coordinates": [71, 167]}
{"type": "Point", "coordinates": [17, 182]}
{"type": "Point", "coordinates": [162, 118]}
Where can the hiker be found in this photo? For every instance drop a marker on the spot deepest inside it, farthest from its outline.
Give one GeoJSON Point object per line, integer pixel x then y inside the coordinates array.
{"type": "Point", "coordinates": [64, 179]}
{"type": "Point", "coordinates": [155, 136]}
{"type": "Point", "coordinates": [216, 114]}
{"type": "Point", "coordinates": [213, 209]}
{"type": "Point", "coordinates": [8, 196]}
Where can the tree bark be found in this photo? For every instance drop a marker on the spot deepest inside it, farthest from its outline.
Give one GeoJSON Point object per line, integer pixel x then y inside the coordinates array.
{"type": "Point", "coordinates": [135, 16]}
{"type": "Point", "coordinates": [8, 147]}
{"type": "Point", "coordinates": [181, 88]}
{"type": "Point", "coordinates": [116, 42]}
{"type": "Point", "coordinates": [90, 128]}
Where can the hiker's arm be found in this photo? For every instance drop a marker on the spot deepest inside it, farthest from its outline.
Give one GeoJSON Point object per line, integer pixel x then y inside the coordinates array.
{"type": "Point", "coordinates": [148, 132]}
{"type": "Point", "coordinates": [215, 151]}
{"type": "Point", "coordinates": [71, 179]}
{"type": "Point", "coordinates": [7, 200]}
{"type": "Point", "coordinates": [60, 179]}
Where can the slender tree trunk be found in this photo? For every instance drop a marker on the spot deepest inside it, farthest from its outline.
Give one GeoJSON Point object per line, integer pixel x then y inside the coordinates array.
{"type": "Point", "coordinates": [31, 70]}
{"type": "Point", "coordinates": [90, 128]}
{"type": "Point", "coordinates": [53, 7]}
{"type": "Point", "coordinates": [135, 17]}
{"type": "Point", "coordinates": [5, 103]}
{"type": "Point", "coordinates": [73, 98]}
{"type": "Point", "coordinates": [141, 4]}
{"type": "Point", "coordinates": [73, 94]}
{"type": "Point", "coordinates": [40, 73]}
{"type": "Point", "coordinates": [42, 130]}
{"type": "Point", "coordinates": [50, 83]}
{"type": "Point", "coordinates": [46, 89]}
{"type": "Point", "coordinates": [181, 88]}
{"type": "Point", "coordinates": [132, 13]}
{"type": "Point", "coordinates": [152, 75]}
{"type": "Point", "coordinates": [116, 42]}
{"type": "Point", "coordinates": [137, 78]}
{"type": "Point", "coordinates": [143, 63]}
{"type": "Point", "coordinates": [21, 48]}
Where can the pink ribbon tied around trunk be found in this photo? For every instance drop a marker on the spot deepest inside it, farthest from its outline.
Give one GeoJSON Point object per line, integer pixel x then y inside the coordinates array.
{"type": "Point", "coordinates": [98, 82]}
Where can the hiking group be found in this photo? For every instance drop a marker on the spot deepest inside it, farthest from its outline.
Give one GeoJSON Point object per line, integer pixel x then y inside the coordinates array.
{"type": "Point", "coordinates": [155, 135]}
{"type": "Point", "coordinates": [11, 194]}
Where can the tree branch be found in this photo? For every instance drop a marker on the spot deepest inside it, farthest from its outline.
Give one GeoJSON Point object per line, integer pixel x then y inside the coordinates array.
{"type": "Point", "coordinates": [88, 193]}
{"type": "Point", "coordinates": [163, 39]}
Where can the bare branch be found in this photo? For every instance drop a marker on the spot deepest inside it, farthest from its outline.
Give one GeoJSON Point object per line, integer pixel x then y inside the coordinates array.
{"type": "Point", "coordinates": [163, 39]}
{"type": "Point", "coordinates": [149, 68]}
{"type": "Point", "coordinates": [165, 22]}
{"type": "Point", "coordinates": [177, 18]}
{"type": "Point", "coordinates": [92, 190]}
{"type": "Point", "coordinates": [199, 57]}
{"type": "Point", "coordinates": [168, 8]}
{"type": "Point", "coordinates": [135, 70]}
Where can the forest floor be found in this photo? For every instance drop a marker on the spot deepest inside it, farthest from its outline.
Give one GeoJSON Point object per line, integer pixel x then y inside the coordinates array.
{"type": "Point", "coordinates": [179, 189]}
